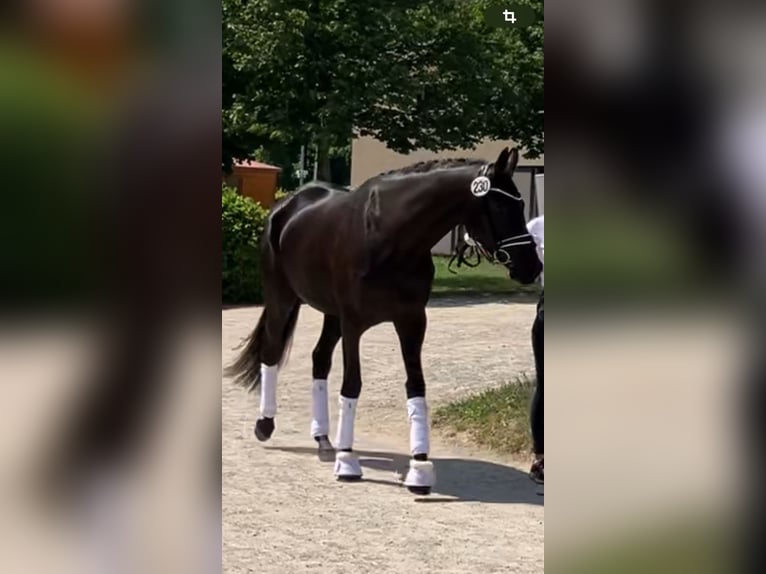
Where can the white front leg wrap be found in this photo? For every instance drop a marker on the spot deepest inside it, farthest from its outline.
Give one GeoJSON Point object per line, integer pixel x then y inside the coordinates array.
{"type": "Point", "coordinates": [346, 415]}
{"type": "Point", "coordinates": [417, 412]}
{"type": "Point", "coordinates": [269, 391]}
{"type": "Point", "coordinates": [320, 414]}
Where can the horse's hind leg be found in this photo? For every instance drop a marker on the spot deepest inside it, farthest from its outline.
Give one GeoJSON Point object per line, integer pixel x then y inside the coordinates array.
{"type": "Point", "coordinates": [411, 330]}
{"type": "Point", "coordinates": [322, 362]}
{"type": "Point", "coordinates": [281, 315]}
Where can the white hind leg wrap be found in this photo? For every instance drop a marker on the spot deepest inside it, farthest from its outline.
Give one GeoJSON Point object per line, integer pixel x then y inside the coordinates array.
{"type": "Point", "coordinates": [345, 436]}
{"type": "Point", "coordinates": [417, 412]}
{"type": "Point", "coordinates": [320, 413]}
{"type": "Point", "coordinates": [269, 391]}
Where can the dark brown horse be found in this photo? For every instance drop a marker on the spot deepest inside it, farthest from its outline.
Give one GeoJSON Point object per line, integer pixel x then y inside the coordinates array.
{"type": "Point", "coordinates": [362, 258]}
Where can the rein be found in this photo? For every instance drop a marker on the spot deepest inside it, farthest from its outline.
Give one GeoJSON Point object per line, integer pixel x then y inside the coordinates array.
{"type": "Point", "coordinates": [460, 255]}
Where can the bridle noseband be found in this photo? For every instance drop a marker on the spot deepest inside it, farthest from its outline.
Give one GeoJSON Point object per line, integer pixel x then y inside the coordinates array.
{"type": "Point", "coordinates": [480, 187]}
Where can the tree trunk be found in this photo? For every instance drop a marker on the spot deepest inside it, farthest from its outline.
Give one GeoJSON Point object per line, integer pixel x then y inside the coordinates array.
{"type": "Point", "coordinates": [323, 159]}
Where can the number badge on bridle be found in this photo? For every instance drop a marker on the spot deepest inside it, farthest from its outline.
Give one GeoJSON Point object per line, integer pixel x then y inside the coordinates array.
{"type": "Point", "coordinates": [480, 186]}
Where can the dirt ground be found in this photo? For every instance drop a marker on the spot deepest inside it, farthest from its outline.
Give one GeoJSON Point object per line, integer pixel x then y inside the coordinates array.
{"type": "Point", "coordinates": [284, 513]}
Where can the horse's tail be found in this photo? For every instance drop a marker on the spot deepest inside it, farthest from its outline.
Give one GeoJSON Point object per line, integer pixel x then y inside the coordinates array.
{"type": "Point", "coordinates": [246, 369]}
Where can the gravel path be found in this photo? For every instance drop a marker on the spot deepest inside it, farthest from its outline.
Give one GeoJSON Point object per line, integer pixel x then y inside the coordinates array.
{"type": "Point", "coordinates": [284, 513]}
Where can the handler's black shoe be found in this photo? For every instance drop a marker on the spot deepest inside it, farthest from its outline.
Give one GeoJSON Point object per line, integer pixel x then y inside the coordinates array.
{"type": "Point", "coordinates": [537, 473]}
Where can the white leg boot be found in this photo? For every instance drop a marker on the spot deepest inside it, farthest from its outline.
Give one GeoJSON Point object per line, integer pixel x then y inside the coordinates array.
{"type": "Point", "coordinates": [421, 476]}
{"type": "Point", "coordinates": [347, 465]}
{"type": "Point", "coordinates": [320, 413]}
{"type": "Point", "coordinates": [269, 391]}
{"type": "Point", "coordinates": [320, 420]}
{"type": "Point", "coordinates": [264, 426]}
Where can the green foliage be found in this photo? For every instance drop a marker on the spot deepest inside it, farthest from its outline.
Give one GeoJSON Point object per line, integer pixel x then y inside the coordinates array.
{"type": "Point", "coordinates": [427, 75]}
{"type": "Point", "coordinates": [694, 541]}
{"type": "Point", "coordinates": [496, 418]}
{"type": "Point", "coordinates": [485, 279]}
{"type": "Point", "coordinates": [52, 206]}
{"type": "Point", "coordinates": [242, 224]}
{"type": "Point", "coordinates": [609, 256]}
{"type": "Point", "coordinates": [287, 156]}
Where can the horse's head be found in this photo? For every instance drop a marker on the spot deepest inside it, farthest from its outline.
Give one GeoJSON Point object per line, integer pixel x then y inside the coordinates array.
{"type": "Point", "coordinates": [497, 223]}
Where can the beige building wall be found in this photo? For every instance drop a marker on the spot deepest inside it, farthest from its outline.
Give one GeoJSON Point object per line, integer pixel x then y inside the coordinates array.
{"type": "Point", "coordinates": [369, 157]}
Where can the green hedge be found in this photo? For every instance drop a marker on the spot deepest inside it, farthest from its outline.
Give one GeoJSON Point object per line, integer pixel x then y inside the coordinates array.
{"type": "Point", "coordinates": [242, 223]}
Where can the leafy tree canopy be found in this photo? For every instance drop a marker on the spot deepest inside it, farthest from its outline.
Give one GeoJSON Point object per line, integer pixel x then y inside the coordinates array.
{"type": "Point", "coordinates": [428, 74]}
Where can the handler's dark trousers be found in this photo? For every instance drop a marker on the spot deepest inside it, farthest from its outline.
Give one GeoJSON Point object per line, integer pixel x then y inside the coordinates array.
{"type": "Point", "coordinates": [536, 415]}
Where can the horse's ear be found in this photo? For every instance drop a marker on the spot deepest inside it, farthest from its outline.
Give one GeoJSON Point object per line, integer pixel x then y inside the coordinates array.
{"type": "Point", "coordinates": [502, 161]}
{"type": "Point", "coordinates": [512, 161]}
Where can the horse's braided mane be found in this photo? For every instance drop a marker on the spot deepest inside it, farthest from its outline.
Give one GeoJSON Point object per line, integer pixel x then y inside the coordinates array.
{"type": "Point", "coordinates": [432, 164]}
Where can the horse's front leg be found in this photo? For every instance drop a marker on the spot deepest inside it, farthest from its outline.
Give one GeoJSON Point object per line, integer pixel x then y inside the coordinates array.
{"type": "Point", "coordinates": [347, 466]}
{"type": "Point", "coordinates": [411, 330]}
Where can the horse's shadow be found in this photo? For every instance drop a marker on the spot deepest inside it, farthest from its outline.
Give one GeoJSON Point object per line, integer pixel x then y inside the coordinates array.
{"type": "Point", "coordinates": [457, 479]}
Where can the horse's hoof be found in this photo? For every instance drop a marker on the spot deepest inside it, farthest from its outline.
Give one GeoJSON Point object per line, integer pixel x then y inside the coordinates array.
{"type": "Point", "coordinates": [325, 450]}
{"type": "Point", "coordinates": [347, 467]}
{"type": "Point", "coordinates": [420, 490]}
{"type": "Point", "coordinates": [326, 455]}
{"type": "Point", "coordinates": [349, 478]}
{"type": "Point", "coordinates": [264, 428]}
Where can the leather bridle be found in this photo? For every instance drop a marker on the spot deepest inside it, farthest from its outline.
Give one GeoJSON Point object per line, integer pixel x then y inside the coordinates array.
{"type": "Point", "coordinates": [500, 254]}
